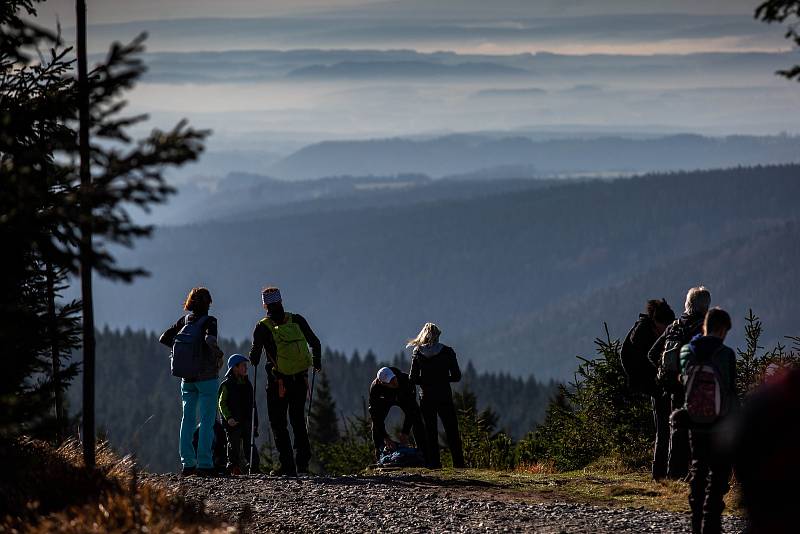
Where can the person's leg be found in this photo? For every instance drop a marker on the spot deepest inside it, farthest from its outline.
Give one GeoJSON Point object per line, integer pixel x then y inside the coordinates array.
{"type": "Point", "coordinates": [718, 486]}
{"type": "Point", "coordinates": [277, 406]}
{"type": "Point", "coordinates": [233, 436]}
{"type": "Point", "coordinates": [420, 437]}
{"type": "Point", "coordinates": [698, 480]}
{"type": "Point", "coordinates": [431, 433]}
{"type": "Point", "coordinates": [244, 443]}
{"type": "Point", "coordinates": [297, 416]}
{"type": "Point", "coordinates": [679, 453]}
{"type": "Point", "coordinates": [189, 397]}
{"type": "Point", "coordinates": [378, 429]}
{"type": "Point", "coordinates": [207, 400]}
{"type": "Point", "coordinates": [447, 413]}
{"type": "Point", "coordinates": [661, 446]}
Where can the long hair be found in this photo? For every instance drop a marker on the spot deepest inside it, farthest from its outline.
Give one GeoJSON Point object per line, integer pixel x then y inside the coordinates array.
{"type": "Point", "coordinates": [427, 336]}
{"type": "Point", "coordinates": [198, 301]}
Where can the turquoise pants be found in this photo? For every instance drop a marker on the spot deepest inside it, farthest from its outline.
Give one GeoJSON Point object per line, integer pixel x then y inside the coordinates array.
{"type": "Point", "coordinates": [202, 395]}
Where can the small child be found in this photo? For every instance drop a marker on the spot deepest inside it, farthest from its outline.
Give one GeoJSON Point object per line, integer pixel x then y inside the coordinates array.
{"type": "Point", "coordinates": [235, 402]}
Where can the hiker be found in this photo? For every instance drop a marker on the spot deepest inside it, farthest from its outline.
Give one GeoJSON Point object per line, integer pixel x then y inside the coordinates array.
{"type": "Point", "coordinates": [285, 338]}
{"type": "Point", "coordinates": [236, 408]}
{"type": "Point", "coordinates": [390, 388]}
{"type": "Point", "coordinates": [709, 372]}
{"type": "Point", "coordinates": [641, 374]}
{"type": "Point", "coordinates": [433, 367]}
{"type": "Point", "coordinates": [665, 355]}
{"type": "Point", "coordinates": [196, 359]}
{"type": "Point", "coordinates": [766, 452]}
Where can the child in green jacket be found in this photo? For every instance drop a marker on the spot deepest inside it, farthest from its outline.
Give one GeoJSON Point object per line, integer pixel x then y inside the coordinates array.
{"type": "Point", "coordinates": [235, 402]}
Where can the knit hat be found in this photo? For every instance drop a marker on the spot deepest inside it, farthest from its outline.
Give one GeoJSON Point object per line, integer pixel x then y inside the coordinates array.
{"type": "Point", "coordinates": [235, 360]}
{"type": "Point", "coordinates": [271, 295]}
{"type": "Point", "coordinates": [385, 375]}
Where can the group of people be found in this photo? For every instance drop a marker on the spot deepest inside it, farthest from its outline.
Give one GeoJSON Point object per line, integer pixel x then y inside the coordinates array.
{"type": "Point", "coordinates": [291, 349]}
{"type": "Point", "coordinates": [690, 374]}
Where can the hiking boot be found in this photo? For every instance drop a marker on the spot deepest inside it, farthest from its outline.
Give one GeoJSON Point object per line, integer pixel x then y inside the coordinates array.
{"type": "Point", "coordinates": [283, 472]}
{"type": "Point", "coordinates": [188, 471]}
{"type": "Point", "coordinates": [234, 471]}
{"type": "Point", "coordinates": [207, 472]}
{"type": "Point", "coordinates": [303, 470]}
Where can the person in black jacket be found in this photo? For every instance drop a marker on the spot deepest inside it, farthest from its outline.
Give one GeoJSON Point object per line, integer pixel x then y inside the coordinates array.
{"type": "Point", "coordinates": [199, 392]}
{"type": "Point", "coordinates": [641, 374]}
{"type": "Point", "coordinates": [390, 388]}
{"type": "Point", "coordinates": [434, 366]}
{"type": "Point", "coordinates": [286, 338]}
{"type": "Point", "coordinates": [671, 397]}
{"type": "Point", "coordinates": [239, 415]}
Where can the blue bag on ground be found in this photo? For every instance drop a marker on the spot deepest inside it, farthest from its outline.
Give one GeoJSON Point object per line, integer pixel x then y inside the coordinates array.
{"type": "Point", "coordinates": [402, 456]}
{"type": "Point", "coordinates": [187, 350]}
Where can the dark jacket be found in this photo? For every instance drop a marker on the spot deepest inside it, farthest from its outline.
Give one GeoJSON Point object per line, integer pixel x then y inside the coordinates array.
{"type": "Point", "coordinates": [640, 371]}
{"type": "Point", "coordinates": [211, 364]}
{"type": "Point", "coordinates": [382, 398]}
{"type": "Point", "coordinates": [690, 326]}
{"type": "Point", "coordinates": [263, 340]}
{"type": "Point", "coordinates": [433, 367]}
{"type": "Point", "coordinates": [709, 348]}
{"type": "Point", "coordinates": [235, 400]}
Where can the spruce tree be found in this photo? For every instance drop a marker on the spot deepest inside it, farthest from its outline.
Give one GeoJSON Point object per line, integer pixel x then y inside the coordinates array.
{"type": "Point", "coordinates": [323, 421]}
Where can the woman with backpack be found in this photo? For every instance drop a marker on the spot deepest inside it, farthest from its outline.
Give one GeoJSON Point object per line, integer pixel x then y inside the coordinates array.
{"type": "Point", "coordinates": [196, 359]}
{"type": "Point", "coordinates": [433, 367]}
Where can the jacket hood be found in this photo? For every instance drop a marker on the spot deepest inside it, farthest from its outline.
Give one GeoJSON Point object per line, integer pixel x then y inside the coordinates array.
{"type": "Point", "coordinates": [704, 346]}
{"type": "Point", "coordinates": [429, 350]}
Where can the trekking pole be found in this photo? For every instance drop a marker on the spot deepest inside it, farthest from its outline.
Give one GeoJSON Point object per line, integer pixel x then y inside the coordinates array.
{"type": "Point", "coordinates": [311, 396]}
{"type": "Point", "coordinates": [253, 422]}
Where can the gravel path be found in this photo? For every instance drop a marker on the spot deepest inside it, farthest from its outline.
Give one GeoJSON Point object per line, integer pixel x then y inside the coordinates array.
{"type": "Point", "coordinates": [409, 503]}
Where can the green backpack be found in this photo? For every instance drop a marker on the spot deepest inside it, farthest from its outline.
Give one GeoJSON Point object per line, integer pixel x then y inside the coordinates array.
{"type": "Point", "coordinates": [293, 355]}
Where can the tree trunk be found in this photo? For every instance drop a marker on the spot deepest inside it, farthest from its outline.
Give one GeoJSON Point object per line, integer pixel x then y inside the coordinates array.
{"type": "Point", "coordinates": [86, 244]}
{"type": "Point", "coordinates": [54, 350]}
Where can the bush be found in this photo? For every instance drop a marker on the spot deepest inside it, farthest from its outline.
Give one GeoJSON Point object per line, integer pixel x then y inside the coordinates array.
{"type": "Point", "coordinates": [483, 446]}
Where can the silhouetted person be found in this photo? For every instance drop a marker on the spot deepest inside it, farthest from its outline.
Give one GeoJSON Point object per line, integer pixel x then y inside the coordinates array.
{"type": "Point", "coordinates": [286, 337]}
{"type": "Point", "coordinates": [641, 374]}
{"type": "Point", "coordinates": [709, 372]}
{"type": "Point", "coordinates": [434, 366]}
{"type": "Point", "coordinates": [670, 343]}
{"type": "Point", "coordinates": [390, 388]}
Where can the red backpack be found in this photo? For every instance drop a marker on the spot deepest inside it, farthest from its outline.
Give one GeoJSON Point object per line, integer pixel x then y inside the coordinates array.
{"type": "Point", "coordinates": [706, 398]}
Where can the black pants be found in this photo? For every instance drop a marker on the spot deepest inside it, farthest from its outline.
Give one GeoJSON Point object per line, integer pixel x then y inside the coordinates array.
{"type": "Point", "coordinates": [446, 411]}
{"type": "Point", "coordinates": [679, 451]}
{"type": "Point", "coordinates": [417, 429]}
{"type": "Point", "coordinates": [291, 399]}
{"type": "Point", "coordinates": [708, 484]}
{"type": "Point", "coordinates": [662, 407]}
{"type": "Point", "coordinates": [239, 440]}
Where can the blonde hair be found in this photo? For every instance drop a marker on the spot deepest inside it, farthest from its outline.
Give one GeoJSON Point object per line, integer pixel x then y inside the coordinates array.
{"type": "Point", "coordinates": [698, 300]}
{"type": "Point", "coordinates": [427, 336]}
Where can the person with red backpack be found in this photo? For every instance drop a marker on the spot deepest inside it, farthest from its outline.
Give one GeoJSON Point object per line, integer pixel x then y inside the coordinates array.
{"type": "Point", "coordinates": [708, 370]}
{"type": "Point", "coordinates": [665, 356]}
{"type": "Point", "coordinates": [196, 359]}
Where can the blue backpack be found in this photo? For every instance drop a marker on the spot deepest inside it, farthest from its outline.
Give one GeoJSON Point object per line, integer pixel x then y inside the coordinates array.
{"type": "Point", "coordinates": [186, 360]}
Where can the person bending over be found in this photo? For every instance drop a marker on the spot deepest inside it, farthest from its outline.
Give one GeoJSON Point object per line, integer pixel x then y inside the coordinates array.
{"type": "Point", "coordinates": [390, 388]}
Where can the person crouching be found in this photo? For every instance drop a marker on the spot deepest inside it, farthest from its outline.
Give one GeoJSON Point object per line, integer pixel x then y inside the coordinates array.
{"type": "Point", "coordinates": [390, 388]}
{"type": "Point", "coordinates": [235, 400]}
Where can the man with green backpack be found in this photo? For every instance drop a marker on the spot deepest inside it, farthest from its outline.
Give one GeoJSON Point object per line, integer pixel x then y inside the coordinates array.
{"type": "Point", "coordinates": [286, 337]}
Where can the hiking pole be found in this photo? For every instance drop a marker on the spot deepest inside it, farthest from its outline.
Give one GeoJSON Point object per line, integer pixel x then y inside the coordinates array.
{"type": "Point", "coordinates": [253, 422]}
{"type": "Point", "coordinates": [311, 396]}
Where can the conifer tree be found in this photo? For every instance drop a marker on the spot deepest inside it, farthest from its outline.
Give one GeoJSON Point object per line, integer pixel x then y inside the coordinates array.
{"type": "Point", "coordinates": [323, 421]}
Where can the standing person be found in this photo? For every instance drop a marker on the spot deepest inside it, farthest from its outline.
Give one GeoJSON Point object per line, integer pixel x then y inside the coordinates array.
{"type": "Point", "coordinates": [196, 332]}
{"type": "Point", "coordinates": [641, 374]}
{"type": "Point", "coordinates": [390, 388]}
{"type": "Point", "coordinates": [665, 355]}
{"type": "Point", "coordinates": [434, 366]}
{"type": "Point", "coordinates": [286, 337]}
{"type": "Point", "coordinates": [709, 370]}
{"type": "Point", "coordinates": [235, 402]}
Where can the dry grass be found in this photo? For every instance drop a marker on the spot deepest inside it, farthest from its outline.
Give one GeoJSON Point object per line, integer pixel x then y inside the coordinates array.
{"type": "Point", "coordinates": [49, 490]}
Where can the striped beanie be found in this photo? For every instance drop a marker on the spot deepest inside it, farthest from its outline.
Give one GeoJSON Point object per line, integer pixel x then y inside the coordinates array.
{"type": "Point", "coordinates": [271, 295]}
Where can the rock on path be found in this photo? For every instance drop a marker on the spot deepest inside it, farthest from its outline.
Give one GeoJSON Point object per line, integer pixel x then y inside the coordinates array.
{"type": "Point", "coordinates": [408, 503]}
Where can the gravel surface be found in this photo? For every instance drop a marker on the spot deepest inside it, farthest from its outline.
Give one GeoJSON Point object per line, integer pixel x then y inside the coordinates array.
{"type": "Point", "coordinates": [408, 503]}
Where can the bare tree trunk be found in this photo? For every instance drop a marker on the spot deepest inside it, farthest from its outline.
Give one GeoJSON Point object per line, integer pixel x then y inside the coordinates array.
{"type": "Point", "coordinates": [86, 244]}
{"type": "Point", "coordinates": [54, 349]}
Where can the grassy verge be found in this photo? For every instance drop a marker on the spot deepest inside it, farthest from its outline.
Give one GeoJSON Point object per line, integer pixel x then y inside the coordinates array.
{"type": "Point", "coordinates": [44, 489]}
{"type": "Point", "coordinates": [597, 485]}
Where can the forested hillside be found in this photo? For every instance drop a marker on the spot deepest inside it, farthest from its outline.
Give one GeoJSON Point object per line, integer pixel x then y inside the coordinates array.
{"type": "Point", "coordinates": [368, 278]}
{"type": "Point", "coordinates": [138, 401]}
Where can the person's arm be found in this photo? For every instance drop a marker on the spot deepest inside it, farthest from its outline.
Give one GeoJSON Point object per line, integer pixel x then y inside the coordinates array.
{"type": "Point", "coordinates": [311, 339]}
{"type": "Point", "coordinates": [168, 337]}
{"type": "Point", "coordinates": [262, 341]}
{"type": "Point", "coordinates": [455, 370]}
{"type": "Point", "coordinates": [222, 403]}
{"type": "Point", "coordinates": [414, 375]}
{"type": "Point", "coordinates": [211, 330]}
{"type": "Point", "coordinates": [377, 411]}
{"type": "Point", "coordinates": [655, 352]}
